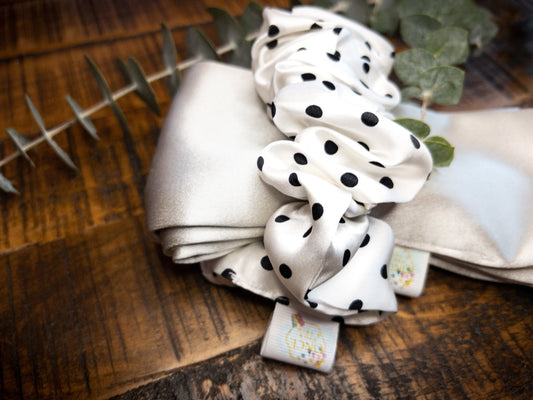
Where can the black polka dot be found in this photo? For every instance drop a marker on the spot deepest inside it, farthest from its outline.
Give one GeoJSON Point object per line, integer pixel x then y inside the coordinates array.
{"type": "Point", "coordinates": [335, 57]}
{"type": "Point", "coordinates": [272, 43]}
{"type": "Point", "coordinates": [356, 305]}
{"type": "Point", "coordinates": [386, 181]}
{"type": "Point", "coordinates": [260, 163]}
{"type": "Point", "coordinates": [285, 271]}
{"type": "Point", "coordinates": [364, 145]}
{"type": "Point", "coordinates": [369, 119]}
{"type": "Point", "coordinates": [281, 218]}
{"type": "Point", "coordinates": [228, 274]}
{"type": "Point", "coordinates": [346, 257]}
{"type": "Point", "coordinates": [314, 111]}
{"type": "Point", "coordinates": [389, 96]}
{"type": "Point", "coordinates": [307, 232]}
{"type": "Point", "coordinates": [366, 68]}
{"type": "Point", "coordinates": [266, 264]}
{"type": "Point", "coordinates": [282, 300]}
{"type": "Point", "coordinates": [368, 45]}
{"type": "Point", "coordinates": [330, 147]}
{"type": "Point", "coordinates": [393, 54]}
{"type": "Point", "coordinates": [356, 92]}
{"type": "Point", "coordinates": [342, 221]}
{"type": "Point", "coordinates": [300, 158]}
{"type": "Point", "coordinates": [377, 164]}
{"type": "Point", "coordinates": [272, 109]}
{"type": "Point", "coordinates": [384, 271]}
{"type": "Point", "coordinates": [338, 319]}
{"type": "Point", "coordinates": [361, 204]}
{"type": "Point", "coordinates": [348, 179]}
{"type": "Point", "coordinates": [301, 49]}
{"type": "Point", "coordinates": [337, 31]}
{"type": "Point", "coordinates": [415, 142]}
{"type": "Point", "coordinates": [329, 85]}
{"type": "Point", "coordinates": [315, 26]}
{"type": "Point", "coordinates": [215, 274]}
{"type": "Point", "coordinates": [308, 77]}
{"type": "Point", "coordinates": [293, 179]}
{"type": "Point", "coordinates": [317, 210]}
{"type": "Point", "coordinates": [273, 30]}
{"type": "Point", "coordinates": [312, 304]}
{"type": "Point", "coordinates": [364, 84]}
{"type": "Point", "coordinates": [365, 58]}
{"type": "Point", "coordinates": [365, 241]}
{"type": "Point", "coordinates": [292, 137]}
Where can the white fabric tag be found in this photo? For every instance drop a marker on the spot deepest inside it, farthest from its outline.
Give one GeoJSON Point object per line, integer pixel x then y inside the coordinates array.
{"type": "Point", "coordinates": [300, 339]}
{"type": "Point", "coordinates": [407, 271]}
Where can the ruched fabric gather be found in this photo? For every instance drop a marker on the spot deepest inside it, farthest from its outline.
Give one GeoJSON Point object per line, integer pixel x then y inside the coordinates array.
{"type": "Point", "coordinates": [324, 80]}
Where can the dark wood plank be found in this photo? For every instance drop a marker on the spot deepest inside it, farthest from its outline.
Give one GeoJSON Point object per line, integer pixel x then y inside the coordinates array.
{"type": "Point", "coordinates": [99, 312]}
{"type": "Point", "coordinates": [470, 342]}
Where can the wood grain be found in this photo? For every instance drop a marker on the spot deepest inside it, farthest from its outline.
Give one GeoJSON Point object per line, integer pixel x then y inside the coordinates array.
{"type": "Point", "coordinates": [90, 308]}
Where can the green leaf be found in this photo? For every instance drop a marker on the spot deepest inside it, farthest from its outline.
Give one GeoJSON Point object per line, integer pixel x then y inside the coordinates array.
{"type": "Point", "coordinates": [20, 142]}
{"type": "Point", "coordinates": [198, 46]}
{"type": "Point", "coordinates": [230, 33]}
{"type": "Point", "coordinates": [419, 7]}
{"type": "Point", "coordinates": [358, 10]}
{"type": "Point", "coordinates": [384, 17]}
{"type": "Point", "coordinates": [6, 185]}
{"type": "Point", "coordinates": [252, 18]}
{"type": "Point", "coordinates": [415, 29]}
{"type": "Point", "coordinates": [441, 151]}
{"type": "Point", "coordinates": [449, 45]}
{"type": "Point", "coordinates": [170, 60]}
{"type": "Point", "coordinates": [482, 29]}
{"type": "Point", "coordinates": [409, 65]}
{"type": "Point", "coordinates": [84, 121]}
{"type": "Point", "coordinates": [419, 128]}
{"type": "Point", "coordinates": [144, 90]}
{"type": "Point", "coordinates": [108, 95]}
{"type": "Point", "coordinates": [59, 151]}
{"type": "Point", "coordinates": [443, 85]}
{"type": "Point", "coordinates": [411, 92]}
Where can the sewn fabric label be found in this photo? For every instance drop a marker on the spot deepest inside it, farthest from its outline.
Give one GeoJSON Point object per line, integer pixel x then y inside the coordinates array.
{"type": "Point", "coordinates": [407, 271]}
{"type": "Point", "coordinates": [300, 339]}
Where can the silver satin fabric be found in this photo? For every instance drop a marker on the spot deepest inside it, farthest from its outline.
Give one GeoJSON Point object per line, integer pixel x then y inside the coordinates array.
{"type": "Point", "coordinates": [204, 197]}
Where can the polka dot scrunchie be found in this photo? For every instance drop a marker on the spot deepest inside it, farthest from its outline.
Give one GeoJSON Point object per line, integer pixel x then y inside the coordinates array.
{"type": "Point", "coordinates": [324, 80]}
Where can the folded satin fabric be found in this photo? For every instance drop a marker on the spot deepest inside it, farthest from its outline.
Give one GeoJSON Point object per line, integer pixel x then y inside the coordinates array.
{"type": "Point", "coordinates": [464, 233]}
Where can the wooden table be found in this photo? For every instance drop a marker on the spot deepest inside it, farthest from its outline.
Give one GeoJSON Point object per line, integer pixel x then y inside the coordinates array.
{"type": "Point", "coordinates": [89, 306]}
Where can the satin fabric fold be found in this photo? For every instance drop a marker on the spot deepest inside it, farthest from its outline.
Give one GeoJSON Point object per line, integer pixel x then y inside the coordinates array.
{"type": "Point", "coordinates": [436, 221]}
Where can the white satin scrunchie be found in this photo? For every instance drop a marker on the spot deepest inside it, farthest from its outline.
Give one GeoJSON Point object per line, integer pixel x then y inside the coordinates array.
{"type": "Point", "coordinates": [324, 79]}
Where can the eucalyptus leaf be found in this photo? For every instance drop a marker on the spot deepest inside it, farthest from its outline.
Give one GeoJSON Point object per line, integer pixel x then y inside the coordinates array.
{"type": "Point", "coordinates": [482, 29]}
{"type": "Point", "coordinates": [170, 60]}
{"type": "Point", "coordinates": [144, 90]}
{"type": "Point", "coordinates": [231, 34]}
{"type": "Point", "coordinates": [419, 7]}
{"type": "Point", "coordinates": [441, 150]}
{"type": "Point", "coordinates": [358, 10]}
{"type": "Point", "coordinates": [418, 128]}
{"type": "Point", "coordinates": [449, 45]}
{"type": "Point", "coordinates": [198, 46]}
{"type": "Point", "coordinates": [411, 64]}
{"type": "Point", "coordinates": [415, 29]}
{"type": "Point", "coordinates": [84, 121]}
{"type": "Point", "coordinates": [252, 18]}
{"type": "Point", "coordinates": [108, 95]}
{"type": "Point", "coordinates": [443, 85]}
{"type": "Point", "coordinates": [384, 17]}
{"type": "Point", "coordinates": [7, 186]}
{"type": "Point", "coordinates": [20, 142]}
{"type": "Point", "coordinates": [411, 92]}
{"type": "Point", "coordinates": [228, 30]}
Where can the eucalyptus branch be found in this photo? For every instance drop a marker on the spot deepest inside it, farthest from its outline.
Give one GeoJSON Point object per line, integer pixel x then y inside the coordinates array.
{"type": "Point", "coordinates": [233, 35]}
